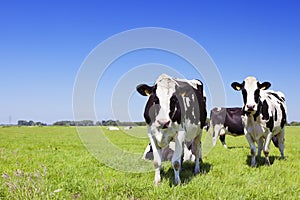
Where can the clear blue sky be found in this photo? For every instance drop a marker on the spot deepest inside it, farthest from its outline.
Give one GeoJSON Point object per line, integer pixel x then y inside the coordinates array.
{"type": "Point", "coordinates": [44, 43]}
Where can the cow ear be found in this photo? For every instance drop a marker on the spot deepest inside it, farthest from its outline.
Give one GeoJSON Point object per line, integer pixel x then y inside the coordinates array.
{"type": "Point", "coordinates": [237, 86]}
{"type": "Point", "coordinates": [144, 89]}
{"type": "Point", "coordinates": [264, 85]}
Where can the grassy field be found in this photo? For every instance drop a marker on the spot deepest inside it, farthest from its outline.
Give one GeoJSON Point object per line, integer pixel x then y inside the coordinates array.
{"type": "Point", "coordinates": [52, 163]}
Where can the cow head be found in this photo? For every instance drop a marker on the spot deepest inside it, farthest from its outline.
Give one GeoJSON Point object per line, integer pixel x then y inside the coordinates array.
{"type": "Point", "coordinates": [164, 108]}
{"type": "Point", "coordinates": [251, 88]}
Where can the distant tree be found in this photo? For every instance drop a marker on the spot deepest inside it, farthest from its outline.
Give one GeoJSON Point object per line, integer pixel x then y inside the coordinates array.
{"type": "Point", "coordinates": [293, 123]}
{"type": "Point", "coordinates": [98, 123]}
{"type": "Point", "coordinates": [40, 124]}
{"type": "Point", "coordinates": [22, 123]}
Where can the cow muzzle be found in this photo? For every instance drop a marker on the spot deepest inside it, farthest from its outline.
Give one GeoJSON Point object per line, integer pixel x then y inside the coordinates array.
{"type": "Point", "coordinates": [250, 108]}
{"type": "Point", "coordinates": [163, 124]}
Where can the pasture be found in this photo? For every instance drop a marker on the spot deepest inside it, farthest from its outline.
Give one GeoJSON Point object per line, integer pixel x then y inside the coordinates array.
{"type": "Point", "coordinates": [52, 163]}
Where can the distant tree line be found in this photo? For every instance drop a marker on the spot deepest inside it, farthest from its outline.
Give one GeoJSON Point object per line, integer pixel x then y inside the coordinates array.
{"type": "Point", "coordinates": [98, 123]}
{"type": "Point", "coordinates": [101, 123]}
{"type": "Point", "coordinates": [293, 123]}
{"type": "Point", "coordinates": [30, 123]}
{"type": "Point", "coordinates": [74, 123]}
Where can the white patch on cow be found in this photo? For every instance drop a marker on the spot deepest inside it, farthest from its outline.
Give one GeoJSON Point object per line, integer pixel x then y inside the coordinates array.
{"type": "Point", "coordinates": [147, 152]}
{"type": "Point", "coordinates": [217, 130]}
{"type": "Point", "coordinates": [165, 89]}
{"type": "Point", "coordinates": [250, 86]}
{"type": "Point", "coordinates": [187, 101]}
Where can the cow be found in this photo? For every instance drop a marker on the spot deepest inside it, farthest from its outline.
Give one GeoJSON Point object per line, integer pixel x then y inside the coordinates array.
{"type": "Point", "coordinates": [264, 116]}
{"type": "Point", "coordinates": [113, 128]}
{"type": "Point", "coordinates": [175, 110]}
{"type": "Point", "coordinates": [228, 121]}
{"type": "Point", "coordinates": [225, 121]}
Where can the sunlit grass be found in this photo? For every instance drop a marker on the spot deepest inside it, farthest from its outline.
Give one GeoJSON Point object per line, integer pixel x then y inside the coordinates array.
{"type": "Point", "coordinates": [52, 163]}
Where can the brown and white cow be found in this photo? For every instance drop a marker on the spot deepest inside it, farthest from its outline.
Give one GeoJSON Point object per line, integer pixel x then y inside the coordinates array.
{"type": "Point", "coordinates": [175, 110]}
{"type": "Point", "coordinates": [264, 116]}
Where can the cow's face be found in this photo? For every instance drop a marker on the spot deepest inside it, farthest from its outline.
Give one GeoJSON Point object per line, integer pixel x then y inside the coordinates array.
{"type": "Point", "coordinates": [163, 108]}
{"type": "Point", "coordinates": [251, 92]}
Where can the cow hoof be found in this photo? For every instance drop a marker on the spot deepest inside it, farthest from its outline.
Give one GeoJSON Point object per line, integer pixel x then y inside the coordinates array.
{"type": "Point", "coordinates": [253, 164]}
{"type": "Point", "coordinates": [196, 171]}
{"type": "Point", "coordinates": [267, 163]}
{"type": "Point", "coordinates": [157, 181]}
{"type": "Point", "coordinates": [177, 182]}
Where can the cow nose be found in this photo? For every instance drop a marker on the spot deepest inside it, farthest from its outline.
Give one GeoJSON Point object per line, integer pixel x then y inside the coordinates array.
{"type": "Point", "coordinates": [250, 107]}
{"type": "Point", "coordinates": [164, 124]}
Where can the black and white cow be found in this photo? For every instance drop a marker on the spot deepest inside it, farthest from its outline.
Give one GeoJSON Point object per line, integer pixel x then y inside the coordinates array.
{"type": "Point", "coordinates": [225, 121]}
{"type": "Point", "coordinates": [264, 115]}
{"type": "Point", "coordinates": [175, 110]}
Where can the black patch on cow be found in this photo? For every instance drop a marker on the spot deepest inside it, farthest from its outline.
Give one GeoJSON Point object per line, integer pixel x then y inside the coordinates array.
{"type": "Point", "coordinates": [233, 121]}
{"type": "Point", "coordinates": [152, 107]}
{"type": "Point", "coordinates": [202, 104]}
{"type": "Point", "coordinates": [256, 95]}
{"type": "Point", "coordinates": [265, 110]}
{"type": "Point", "coordinates": [175, 110]}
{"type": "Point", "coordinates": [244, 92]}
{"type": "Point", "coordinates": [283, 120]}
{"type": "Point", "coordinates": [270, 123]}
{"type": "Point", "coordinates": [276, 95]}
{"type": "Point", "coordinates": [222, 138]}
{"type": "Point", "coordinates": [275, 114]}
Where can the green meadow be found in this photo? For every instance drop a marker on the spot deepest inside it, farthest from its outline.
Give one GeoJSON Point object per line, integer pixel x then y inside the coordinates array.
{"type": "Point", "coordinates": [54, 163]}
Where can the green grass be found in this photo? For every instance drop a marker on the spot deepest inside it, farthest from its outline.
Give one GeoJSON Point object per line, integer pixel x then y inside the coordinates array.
{"type": "Point", "coordinates": [52, 163]}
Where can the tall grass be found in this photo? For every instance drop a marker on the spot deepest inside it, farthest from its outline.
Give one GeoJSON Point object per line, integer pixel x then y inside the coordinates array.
{"type": "Point", "coordinates": [52, 163]}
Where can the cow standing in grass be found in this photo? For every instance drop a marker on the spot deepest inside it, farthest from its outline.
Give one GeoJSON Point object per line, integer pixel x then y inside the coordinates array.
{"type": "Point", "coordinates": [225, 121]}
{"type": "Point", "coordinates": [175, 110]}
{"type": "Point", "coordinates": [228, 121]}
{"type": "Point", "coordinates": [264, 115]}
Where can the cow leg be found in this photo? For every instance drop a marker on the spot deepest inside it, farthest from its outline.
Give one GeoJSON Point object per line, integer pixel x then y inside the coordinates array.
{"type": "Point", "coordinates": [157, 160]}
{"type": "Point", "coordinates": [281, 143]}
{"type": "Point", "coordinates": [222, 138]}
{"type": "Point", "coordinates": [252, 148]}
{"type": "Point", "coordinates": [215, 132]}
{"type": "Point", "coordinates": [176, 159]}
{"type": "Point", "coordinates": [197, 152]}
{"type": "Point", "coordinates": [267, 148]}
{"type": "Point", "coordinates": [260, 144]}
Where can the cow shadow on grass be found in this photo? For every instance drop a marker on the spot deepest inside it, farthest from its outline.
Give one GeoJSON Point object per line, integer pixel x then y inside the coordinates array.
{"type": "Point", "coordinates": [237, 147]}
{"type": "Point", "coordinates": [260, 161]}
{"type": "Point", "coordinates": [186, 173]}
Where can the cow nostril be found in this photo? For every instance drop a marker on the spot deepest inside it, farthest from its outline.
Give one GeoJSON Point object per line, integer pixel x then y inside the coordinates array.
{"type": "Point", "coordinates": [163, 124]}
{"type": "Point", "coordinates": [167, 124]}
